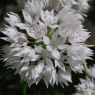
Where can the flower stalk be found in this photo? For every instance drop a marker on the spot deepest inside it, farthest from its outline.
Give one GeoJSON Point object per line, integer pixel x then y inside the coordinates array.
{"type": "Point", "coordinates": [25, 89]}
{"type": "Point", "coordinates": [86, 70]}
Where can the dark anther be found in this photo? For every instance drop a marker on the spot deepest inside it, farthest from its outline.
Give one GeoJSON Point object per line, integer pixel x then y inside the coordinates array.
{"type": "Point", "coordinates": [65, 60]}
{"type": "Point", "coordinates": [65, 53]}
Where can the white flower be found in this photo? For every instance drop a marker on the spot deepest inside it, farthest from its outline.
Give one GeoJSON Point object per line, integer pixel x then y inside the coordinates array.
{"type": "Point", "coordinates": [54, 44]}
{"type": "Point", "coordinates": [86, 87]}
{"type": "Point", "coordinates": [49, 18]}
{"type": "Point", "coordinates": [9, 58]}
{"type": "Point", "coordinates": [34, 30]}
{"type": "Point", "coordinates": [27, 17]}
{"type": "Point", "coordinates": [79, 36]}
{"type": "Point", "coordinates": [46, 4]}
{"type": "Point", "coordinates": [26, 53]}
{"type": "Point", "coordinates": [80, 7]}
{"type": "Point", "coordinates": [34, 72]}
{"type": "Point", "coordinates": [37, 32]}
{"type": "Point", "coordinates": [15, 37]}
{"type": "Point", "coordinates": [64, 76]}
{"type": "Point", "coordinates": [43, 53]}
{"type": "Point", "coordinates": [68, 2]}
{"type": "Point", "coordinates": [72, 28]}
{"type": "Point", "coordinates": [29, 21]}
{"type": "Point", "coordinates": [38, 69]}
{"type": "Point", "coordinates": [78, 52]}
{"type": "Point", "coordinates": [76, 65]}
{"type": "Point", "coordinates": [49, 74]}
{"type": "Point", "coordinates": [69, 13]}
{"type": "Point", "coordinates": [83, 5]}
{"type": "Point", "coordinates": [33, 7]}
{"type": "Point", "coordinates": [50, 4]}
{"type": "Point", "coordinates": [91, 71]}
{"type": "Point", "coordinates": [13, 19]}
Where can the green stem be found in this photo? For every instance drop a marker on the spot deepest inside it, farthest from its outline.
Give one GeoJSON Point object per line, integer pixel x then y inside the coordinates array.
{"type": "Point", "coordinates": [39, 93]}
{"type": "Point", "coordinates": [52, 30]}
{"type": "Point", "coordinates": [25, 88]}
{"type": "Point", "coordinates": [86, 69]}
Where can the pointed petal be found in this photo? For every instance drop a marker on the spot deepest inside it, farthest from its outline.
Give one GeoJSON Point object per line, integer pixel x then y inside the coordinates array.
{"type": "Point", "coordinates": [49, 62]}
{"type": "Point", "coordinates": [27, 16]}
{"type": "Point", "coordinates": [38, 49]}
{"type": "Point", "coordinates": [55, 36]}
{"type": "Point", "coordinates": [46, 40]}
{"type": "Point", "coordinates": [56, 53]}
{"type": "Point", "coordinates": [60, 64]}
{"type": "Point", "coordinates": [24, 68]}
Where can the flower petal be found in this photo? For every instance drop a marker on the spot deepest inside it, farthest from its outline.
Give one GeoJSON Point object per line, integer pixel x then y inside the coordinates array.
{"type": "Point", "coordinates": [46, 40]}
{"type": "Point", "coordinates": [27, 16]}
{"type": "Point", "coordinates": [56, 53]}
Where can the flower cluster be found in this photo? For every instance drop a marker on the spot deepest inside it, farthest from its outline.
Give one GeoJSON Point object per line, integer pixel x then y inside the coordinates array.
{"type": "Point", "coordinates": [87, 87]}
{"type": "Point", "coordinates": [91, 71]}
{"type": "Point", "coordinates": [79, 6]}
{"type": "Point", "coordinates": [47, 42]}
